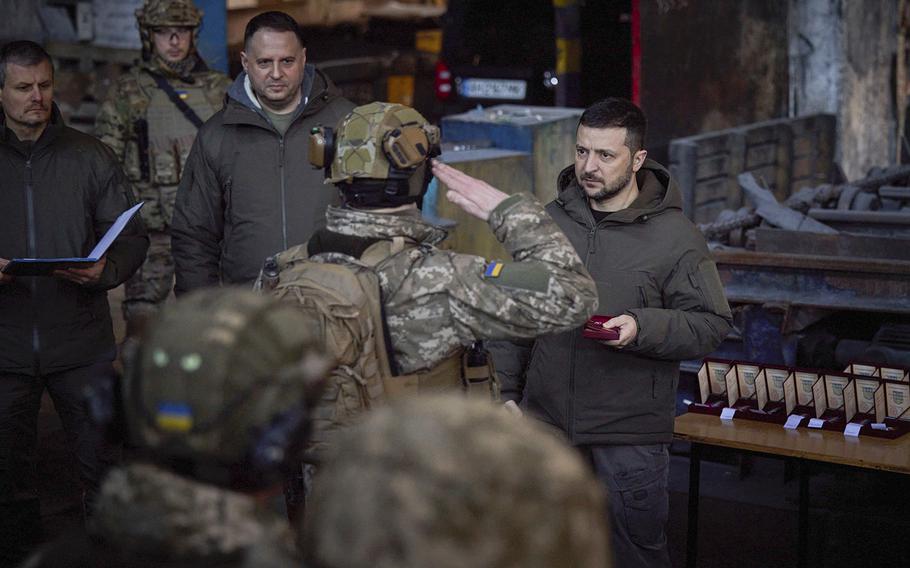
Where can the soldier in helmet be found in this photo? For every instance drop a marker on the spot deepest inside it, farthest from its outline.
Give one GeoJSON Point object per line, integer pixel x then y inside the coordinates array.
{"type": "Point", "coordinates": [450, 482]}
{"type": "Point", "coordinates": [431, 304]}
{"type": "Point", "coordinates": [435, 302]}
{"type": "Point", "coordinates": [150, 119]}
{"type": "Point", "coordinates": [217, 399]}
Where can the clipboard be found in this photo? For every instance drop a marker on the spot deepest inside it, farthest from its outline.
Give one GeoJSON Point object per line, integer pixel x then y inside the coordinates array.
{"type": "Point", "coordinates": [45, 266]}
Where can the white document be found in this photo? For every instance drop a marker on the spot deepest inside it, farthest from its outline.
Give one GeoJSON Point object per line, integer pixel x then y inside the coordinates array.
{"type": "Point", "coordinates": [793, 422]}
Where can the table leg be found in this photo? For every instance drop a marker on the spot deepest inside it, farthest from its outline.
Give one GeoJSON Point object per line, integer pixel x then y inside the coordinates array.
{"type": "Point", "coordinates": [803, 540]}
{"type": "Point", "coordinates": [692, 525]}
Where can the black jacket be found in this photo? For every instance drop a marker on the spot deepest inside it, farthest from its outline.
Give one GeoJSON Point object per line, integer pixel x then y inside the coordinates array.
{"type": "Point", "coordinates": [249, 192]}
{"type": "Point", "coordinates": [59, 195]}
{"type": "Point", "coordinates": [648, 261]}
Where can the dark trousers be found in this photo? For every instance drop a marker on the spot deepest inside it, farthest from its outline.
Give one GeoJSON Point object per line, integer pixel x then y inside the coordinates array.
{"type": "Point", "coordinates": [635, 478]}
{"type": "Point", "coordinates": [20, 402]}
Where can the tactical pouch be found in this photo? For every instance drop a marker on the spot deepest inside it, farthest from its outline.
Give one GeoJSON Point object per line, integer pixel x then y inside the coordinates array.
{"type": "Point", "coordinates": [478, 375]}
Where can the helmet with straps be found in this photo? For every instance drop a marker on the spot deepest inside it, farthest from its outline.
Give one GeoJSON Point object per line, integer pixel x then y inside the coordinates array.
{"type": "Point", "coordinates": [377, 154]}
{"type": "Point", "coordinates": [163, 13]}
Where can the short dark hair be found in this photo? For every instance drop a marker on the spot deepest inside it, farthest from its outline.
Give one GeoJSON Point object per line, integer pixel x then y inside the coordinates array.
{"type": "Point", "coordinates": [22, 52]}
{"type": "Point", "coordinates": [614, 112]}
{"type": "Point", "coordinates": [275, 21]}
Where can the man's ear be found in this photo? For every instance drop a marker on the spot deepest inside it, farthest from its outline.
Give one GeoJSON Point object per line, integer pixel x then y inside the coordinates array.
{"type": "Point", "coordinates": [638, 160]}
{"type": "Point", "coordinates": [243, 59]}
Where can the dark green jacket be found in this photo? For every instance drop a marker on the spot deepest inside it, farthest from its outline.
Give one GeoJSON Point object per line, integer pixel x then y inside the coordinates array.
{"type": "Point", "coordinates": [652, 263]}
{"type": "Point", "coordinates": [58, 197]}
{"type": "Point", "coordinates": [249, 192]}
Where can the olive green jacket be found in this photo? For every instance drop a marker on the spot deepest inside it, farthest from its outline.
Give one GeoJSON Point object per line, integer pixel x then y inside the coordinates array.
{"type": "Point", "coordinates": [648, 261]}
{"type": "Point", "coordinates": [248, 192]}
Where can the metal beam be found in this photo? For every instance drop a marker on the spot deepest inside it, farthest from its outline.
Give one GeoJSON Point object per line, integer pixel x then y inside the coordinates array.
{"type": "Point", "coordinates": [815, 281]}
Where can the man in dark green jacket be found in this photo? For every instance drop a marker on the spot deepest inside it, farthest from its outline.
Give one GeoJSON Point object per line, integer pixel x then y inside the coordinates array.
{"type": "Point", "coordinates": [616, 399]}
{"type": "Point", "coordinates": [60, 192]}
{"type": "Point", "coordinates": [248, 190]}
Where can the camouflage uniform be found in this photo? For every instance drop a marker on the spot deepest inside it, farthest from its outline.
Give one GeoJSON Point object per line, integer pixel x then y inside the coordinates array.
{"type": "Point", "coordinates": [450, 482]}
{"type": "Point", "coordinates": [154, 513]}
{"type": "Point", "coordinates": [436, 301]}
{"type": "Point", "coordinates": [152, 139]}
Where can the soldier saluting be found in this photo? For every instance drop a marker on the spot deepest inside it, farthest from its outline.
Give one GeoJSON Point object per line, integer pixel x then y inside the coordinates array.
{"type": "Point", "coordinates": [150, 119]}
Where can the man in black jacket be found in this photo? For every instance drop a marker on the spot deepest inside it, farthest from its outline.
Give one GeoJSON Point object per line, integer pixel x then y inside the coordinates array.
{"type": "Point", "coordinates": [615, 399]}
{"type": "Point", "coordinates": [248, 190]}
{"type": "Point", "coordinates": [61, 191]}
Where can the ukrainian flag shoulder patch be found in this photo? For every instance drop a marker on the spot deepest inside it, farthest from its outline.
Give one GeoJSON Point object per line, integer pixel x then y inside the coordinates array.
{"type": "Point", "coordinates": [174, 416]}
{"type": "Point", "coordinates": [493, 269]}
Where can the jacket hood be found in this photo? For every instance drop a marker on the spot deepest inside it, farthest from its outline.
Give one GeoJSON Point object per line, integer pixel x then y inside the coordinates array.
{"type": "Point", "coordinates": [152, 512]}
{"type": "Point", "coordinates": [658, 193]}
{"type": "Point", "coordinates": [314, 87]}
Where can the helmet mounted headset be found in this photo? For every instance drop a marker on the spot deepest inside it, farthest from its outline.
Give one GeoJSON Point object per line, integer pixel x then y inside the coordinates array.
{"type": "Point", "coordinates": [377, 155]}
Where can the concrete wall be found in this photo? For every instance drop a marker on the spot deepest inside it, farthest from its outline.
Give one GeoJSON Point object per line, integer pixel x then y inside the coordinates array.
{"type": "Point", "coordinates": [841, 62]}
{"type": "Point", "coordinates": [19, 19]}
{"type": "Point", "coordinates": [711, 65]}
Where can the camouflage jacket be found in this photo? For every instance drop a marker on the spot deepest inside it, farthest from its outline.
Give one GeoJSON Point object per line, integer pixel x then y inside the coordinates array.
{"type": "Point", "coordinates": [147, 132]}
{"type": "Point", "coordinates": [149, 516]}
{"type": "Point", "coordinates": [436, 301]}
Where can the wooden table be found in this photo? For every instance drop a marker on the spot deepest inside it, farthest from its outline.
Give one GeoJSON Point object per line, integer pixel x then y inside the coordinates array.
{"type": "Point", "coordinates": [802, 444]}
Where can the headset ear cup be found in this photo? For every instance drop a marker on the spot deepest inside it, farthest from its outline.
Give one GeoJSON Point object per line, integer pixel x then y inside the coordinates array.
{"type": "Point", "coordinates": [321, 149]}
{"type": "Point", "coordinates": [278, 445]}
{"type": "Point", "coordinates": [281, 445]}
{"type": "Point", "coordinates": [407, 147]}
{"type": "Point", "coordinates": [434, 137]}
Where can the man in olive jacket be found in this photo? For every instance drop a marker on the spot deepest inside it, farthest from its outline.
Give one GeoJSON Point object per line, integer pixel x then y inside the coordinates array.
{"type": "Point", "coordinates": [61, 190]}
{"type": "Point", "coordinates": [248, 190]}
{"type": "Point", "coordinates": [616, 399]}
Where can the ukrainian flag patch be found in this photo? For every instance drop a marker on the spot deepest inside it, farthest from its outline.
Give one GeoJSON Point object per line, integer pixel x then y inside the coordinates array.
{"type": "Point", "coordinates": [183, 95]}
{"type": "Point", "coordinates": [493, 269]}
{"type": "Point", "coordinates": [174, 416]}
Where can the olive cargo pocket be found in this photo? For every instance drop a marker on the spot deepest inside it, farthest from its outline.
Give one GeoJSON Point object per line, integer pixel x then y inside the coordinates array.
{"type": "Point", "coordinates": [627, 290]}
{"type": "Point", "coordinates": [645, 505]}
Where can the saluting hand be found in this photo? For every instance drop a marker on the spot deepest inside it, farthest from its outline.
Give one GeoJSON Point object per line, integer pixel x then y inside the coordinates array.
{"type": "Point", "coordinates": [476, 197]}
{"type": "Point", "coordinates": [83, 276]}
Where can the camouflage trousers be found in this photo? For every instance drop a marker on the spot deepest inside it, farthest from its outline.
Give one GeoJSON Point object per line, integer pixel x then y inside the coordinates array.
{"type": "Point", "coordinates": [150, 286]}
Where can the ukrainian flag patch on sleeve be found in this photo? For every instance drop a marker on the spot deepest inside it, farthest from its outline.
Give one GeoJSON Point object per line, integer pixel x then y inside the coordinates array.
{"type": "Point", "coordinates": [183, 95]}
{"type": "Point", "coordinates": [493, 269]}
{"type": "Point", "coordinates": [174, 416]}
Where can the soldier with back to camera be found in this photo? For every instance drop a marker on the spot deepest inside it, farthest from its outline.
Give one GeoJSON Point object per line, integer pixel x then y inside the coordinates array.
{"type": "Point", "coordinates": [217, 399]}
{"type": "Point", "coordinates": [150, 119]}
{"type": "Point", "coordinates": [449, 482]}
{"type": "Point", "coordinates": [426, 304]}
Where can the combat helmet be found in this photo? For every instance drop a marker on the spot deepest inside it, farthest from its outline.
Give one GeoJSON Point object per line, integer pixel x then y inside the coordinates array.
{"type": "Point", "coordinates": [222, 386]}
{"type": "Point", "coordinates": [162, 13]}
{"type": "Point", "coordinates": [377, 155]}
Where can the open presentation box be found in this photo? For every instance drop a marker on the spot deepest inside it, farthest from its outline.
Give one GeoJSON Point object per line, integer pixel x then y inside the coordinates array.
{"type": "Point", "coordinates": [863, 399]}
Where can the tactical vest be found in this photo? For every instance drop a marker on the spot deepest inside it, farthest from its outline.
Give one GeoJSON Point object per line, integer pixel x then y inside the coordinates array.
{"type": "Point", "coordinates": [161, 135]}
